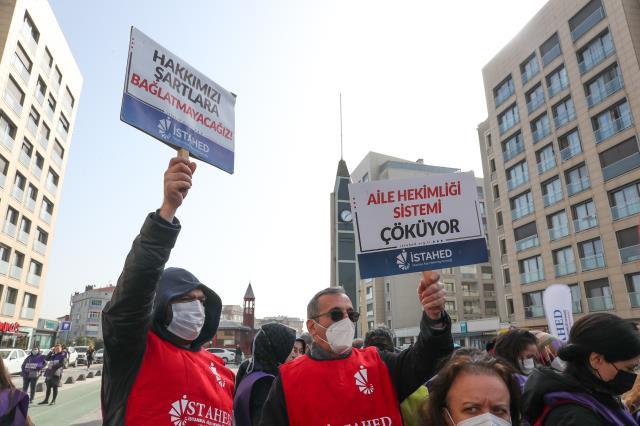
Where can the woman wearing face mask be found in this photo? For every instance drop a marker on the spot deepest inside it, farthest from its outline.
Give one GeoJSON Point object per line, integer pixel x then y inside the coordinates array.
{"type": "Point", "coordinates": [548, 347]}
{"type": "Point", "coordinates": [271, 347]}
{"type": "Point", "coordinates": [474, 390]}
{"type": "Point", "coordinates": [31, 370]}
{"type": "Point", "coordinates": [518, 348]}
{"type": "Point", "coordinates": [602, 358]}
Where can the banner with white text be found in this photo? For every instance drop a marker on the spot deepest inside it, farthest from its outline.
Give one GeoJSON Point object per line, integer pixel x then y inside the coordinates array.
{"type": "Point", "coordinates": [419, 224]}
{"type": "Point", "coordinates": [558, 308]}
{"type": "Point", "coordinates": [170, 100]}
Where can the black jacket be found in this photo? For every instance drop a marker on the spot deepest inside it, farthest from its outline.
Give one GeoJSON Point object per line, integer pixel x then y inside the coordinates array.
{"type": "Point", "coordinates": [408, 369]}
{"type": "Point", "coordinates": [545, 380]}
{"type": "Point", "coordinates": [139, 303]}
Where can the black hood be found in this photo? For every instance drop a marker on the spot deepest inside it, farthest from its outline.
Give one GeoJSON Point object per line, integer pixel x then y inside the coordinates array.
{"type": "Point", "coordinates": [545, 380]}
{"type": "Point", "coordinates": [272, 346]}
{"type": "Point", "coordinates": [175, 282]}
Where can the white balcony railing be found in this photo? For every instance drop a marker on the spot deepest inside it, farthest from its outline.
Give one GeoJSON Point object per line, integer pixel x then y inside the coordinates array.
{"type": "Point", "coordinates": [532, 276]}
{"type": "Point", "coordinates": [565, 269]}
{"type": "Point", "coordinates": [15, 272]}
{"type": "Point", "coordinates": [533, 311]}
{"type": "Point", "coordinates": [23, 237]}
{"type": "Point", "coordinates": [578, 186]}
{"type": "Point", "coordinates": [9, 309]}
{"type": "Point", "coordinates": [9, 229]}
{"type": "Point", "coordinates": [558, 232]}
{"type": "Point", "coordinates": [624, 210]}
{"type": "Point", "coordinates": [27, 313]}
{"type": "Point", "coordinates": [586, 222]}
{"type": "Point", "coordinates": [588, 23]}
{"type": "Point", "coordinates": [546, 165]}
{"type": "Point", "coordinates": [527, 243]}
{"type": "Point", "coordinates": [600, 303]}
{"type": "Point", "coordinates": [7, 140]}
{"type": "Point", "coordinates": [33, 279]}
{"type": "Point", "coordinates": [600, 95]}
{"type": "Point", "coordinates": [40, 247]}
{"type": "Point", "coordinates": [522, 211]}
{"type": "Point", "coordinates": [517, 180]}
{"type": "Point", "coordinates": [551, 198]}
{"type": "Point", "coordinates": [595, 261]}
{"type": "Point", "coordinates": [630, 253]}
{"type": "Point", "coordinates": [616, 126]}
{"type": "Point", "coordinates": [570, 151]}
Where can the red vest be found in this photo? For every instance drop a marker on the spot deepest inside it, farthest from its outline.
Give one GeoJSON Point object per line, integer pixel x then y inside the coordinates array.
{"type": "Point", "coordinates": [356, 390]}
{"type": "Point", "coordinates": [180, 387]}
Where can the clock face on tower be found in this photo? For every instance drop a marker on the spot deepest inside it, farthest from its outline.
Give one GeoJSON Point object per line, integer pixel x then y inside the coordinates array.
{"type": "Point", "coordinates": [345, 216]}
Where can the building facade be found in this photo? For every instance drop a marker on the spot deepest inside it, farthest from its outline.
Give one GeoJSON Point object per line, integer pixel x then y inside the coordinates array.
{"type": "Point", "coordinates": [291, 322]}
{"type": "Point", "coordinates": [231, 313]}
{"type": "Point", "coordinates": [40, 84]}
{"type": "Point", "coordinates": [392, 301]}
{"type": "Point", "coordinates": [560, 150]}
{"type": "Point", "coordinates": [86, 312]}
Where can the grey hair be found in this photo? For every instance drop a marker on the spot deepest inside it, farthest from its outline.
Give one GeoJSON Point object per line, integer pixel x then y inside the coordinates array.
{"type": "Point", "coordinates": [313, 308]}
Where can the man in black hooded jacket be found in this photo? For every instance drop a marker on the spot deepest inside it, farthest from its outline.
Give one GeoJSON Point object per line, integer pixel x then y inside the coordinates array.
{"type": "Point", "coordinates": [155, 371]}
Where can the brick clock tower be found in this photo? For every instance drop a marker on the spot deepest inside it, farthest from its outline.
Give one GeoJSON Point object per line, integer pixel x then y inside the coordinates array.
{"type": "Point", "coordinates": [248, 315]}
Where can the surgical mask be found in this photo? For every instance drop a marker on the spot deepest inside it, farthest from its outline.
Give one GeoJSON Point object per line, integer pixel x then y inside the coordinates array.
{"type": "Point", "coordinates": [188, 319]}
{"type": "Point", "coordinates": [34, 352]}
{"type": "Point", "coordinates": [558, 364]}
{"type": "Point", "coordinates": [339, 335]}
{"type": "Point", "coordinates": [486, 419]}
{"type": "Point", "coordinates": [527, 365]}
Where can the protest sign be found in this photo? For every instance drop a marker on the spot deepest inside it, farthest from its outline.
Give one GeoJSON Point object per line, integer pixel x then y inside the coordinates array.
{"type": "Point", "coordinates": [170, 100]}
{"type": "Point", "coordinates": [558, 310]}
{"type": "Point", "coordinates": [420, 224]}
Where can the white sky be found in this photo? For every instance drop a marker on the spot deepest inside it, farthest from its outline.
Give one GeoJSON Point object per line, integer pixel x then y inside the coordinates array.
{"type": "Point", "coordinates": [411, 83]}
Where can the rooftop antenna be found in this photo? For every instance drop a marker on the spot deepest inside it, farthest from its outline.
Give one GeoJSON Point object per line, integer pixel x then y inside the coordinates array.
{"type": "Point", "coordinates": [340, 126]}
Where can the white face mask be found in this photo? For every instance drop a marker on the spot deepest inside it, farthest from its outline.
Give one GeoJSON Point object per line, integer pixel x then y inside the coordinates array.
{"type": "Point", "coordinates": [558, 364]}
{"type": "Point", "coordinates": [188, 319]}
{"type": "Point", "coordinates": [527, 365]}
{"type": "Point", "coordinates": [339, 335]}
{"type": "Point", "coordinates": [486, 419]}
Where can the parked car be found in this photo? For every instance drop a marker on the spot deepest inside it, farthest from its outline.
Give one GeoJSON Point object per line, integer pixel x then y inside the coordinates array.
{"type": "Point", "coordinates": [82, 354]}
{"type": "Point", "coordinates": [98, 356]}
{"type": "Point", "coordinates": [13, 359]}
{"type": "Point", "coordinates": [72, 357]}
{"type": "Point", "coordinates": [226, 354]}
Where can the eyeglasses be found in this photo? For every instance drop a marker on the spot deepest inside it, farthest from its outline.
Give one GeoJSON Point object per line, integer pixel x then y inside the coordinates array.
{"type": "Point", "coordinates": [337, 314]}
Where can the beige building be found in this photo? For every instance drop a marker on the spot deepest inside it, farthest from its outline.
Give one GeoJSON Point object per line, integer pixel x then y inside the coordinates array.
{"type": "Point", "coordinates": [291, 322]}
{"type": "Point", "coordinates": [392, 301]}
{"type": "Point", "coordinates": [40, 85]}
{"type": "Point", "coordinates": [560, 148]}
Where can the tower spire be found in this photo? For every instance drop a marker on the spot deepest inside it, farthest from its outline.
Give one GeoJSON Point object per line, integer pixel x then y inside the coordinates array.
{"type": "Point", "coordinates": [341, 126]}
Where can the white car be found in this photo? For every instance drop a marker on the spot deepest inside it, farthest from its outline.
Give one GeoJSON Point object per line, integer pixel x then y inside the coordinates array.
{"type": "Point", "coordinates": [226, 354]}
{"type": "Point", "coordinates": [82, 354]}
{"type": "Point", "coordinates": [72, 357]}
{"type": "Point", "coordinates": [99, 356]}
{"type": "Point", "coordinates": [13, 359]}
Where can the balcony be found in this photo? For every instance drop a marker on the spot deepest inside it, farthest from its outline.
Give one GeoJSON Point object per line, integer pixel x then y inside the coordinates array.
{"type": "Point", "coordinates": [27, 39]}
{"type": "Point", "coordinates": [39, 96]}
{"type": "Point", "coordinates": [530, 73]}
{"type": "Point", "coordinates": [551, 198]}
{"type": "Point", "coordinates": [564, 118]}
{"type": "Point", "coordinates": [511, 152]}
{"type": "Point", "coordinates": [25, 159]}
{"type": "Point", "coordinates": [630, 254]}
{"type": "Point", "coordinates": [516, 181]}
{"type": "Point", "coordinates": [570, 152]}
{"type": "Point", "coordinates": [634, 299]}
{"type": "Point", "coordinates": [33, 279]}
{"type": "Point", "coordinates": [546, 165]}
{"type": "Point", "coordinates": [563, 269]}
{"type": "Point", "coordinates": [64, 133]}
{"type": "Point", "coordinates": [23, 237]}
{"type": "Point", "coordinates": [27, 313]}
{"type": "Point", "coordinates": [609, 89]}
{"type": "Point", "coordinates": [541, 133]}
{"type": "Point", "coordinates": [579, 186]}
{"type": "Point", "coordinates": [589, 263]}
{"type": "Point", "coordinates": [506, 125]}
{"type": "Point", "coordinates": [7, 140]}
{"type": "Point", "coordinates": [558, 232]}
{"type": "Point", "coordinates": [499, 99]}
{"type": "Point", "coordinates": [589, 22]}
{"type": "Point", "coordinates": [470, 293]}
{"type": "Point", "coordinates": [596, 58]}
{"type": "Point", "coordinates": [46, 216]}
{"type": "Point", "coordinates": [531, 277]}
{"type": "Point", "coordinates": [600, 303]}
{"type": "Point", "coordinates": [15, 272]}
{"type": "Point", "coordinates": [32, 126]}
{"type": "Point", "coordinates": [13, 102]}
{"type": "Point", "coordinates": [624, 210]}
{"type": "Point", "coordinates": [489, 294]}
{"type": "Point", "coordinates": [616, 126]}
{"type": "Point", "coordinates": [30, 203]}
{"type": "Point", "coordinates": [548, 57]}
{"type": "Point", "coordinates": [522, 211]}
{"type": "Point", "coordinates": [533, 311]}
{"type": "Point", "coordinates": [39, 247]}
{"type": "Point", "coordinates": [42, 140]}
{"type": "Point", "coordinates": [621, 166]}
{"type": "Point", "coordinates": [51, 187]}
{"type": "Point", "coordinates": [9, 309]}
{"type": "Point", "coordinates": [49, 112]}
{"type": "Point", "coordinates": [4, 267]}
{"type": "Point", "coordinates": [527, 243]}
{"type": "Point", "coordinates": [9, 229]}
{"type": "Point", "coordinates": [56, 158]}
{"type": "Point", "coordinates": [21, 70]}
{"type": "Point", "coordinates": [36, 171]}
{"type": "Point", "coordinates": [535, 103]}
{"type": "Point", "coordinates": [558, 87]}
{"type": "Point", "coordinates": [586, 222]}
{"type": "Point", "coordinates": [17, 193]}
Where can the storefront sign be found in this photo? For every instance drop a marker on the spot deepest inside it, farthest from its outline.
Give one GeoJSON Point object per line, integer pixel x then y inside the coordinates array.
{"type": "Point", "coordinates": [9, 327]}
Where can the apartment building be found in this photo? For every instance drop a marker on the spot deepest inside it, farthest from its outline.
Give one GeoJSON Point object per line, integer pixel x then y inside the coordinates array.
{"type": "Point", "coordinates": [561, 156]}
{"type": "Point", "coordinates": [40, 84]}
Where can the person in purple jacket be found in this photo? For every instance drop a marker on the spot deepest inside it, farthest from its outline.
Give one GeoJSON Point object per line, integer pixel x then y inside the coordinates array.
{"type": "Point", "coordinates": [31, 370]}
{"type": "Point", "coordinates": [53, 373]}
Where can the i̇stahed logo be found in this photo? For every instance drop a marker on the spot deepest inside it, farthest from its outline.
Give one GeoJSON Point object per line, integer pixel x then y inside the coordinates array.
{"type": "Point", "coordinates": [184, 412]}
{"type": "Point", "coordinates": [164, 126]}
{"type": "Point", "coordinates": [402, 260]}
{"type": "Point", "coordinates": [362, 381]}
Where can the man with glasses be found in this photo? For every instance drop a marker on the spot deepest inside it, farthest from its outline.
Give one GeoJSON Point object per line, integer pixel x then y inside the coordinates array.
{"type": "Point", "coordinates": [340, 385]}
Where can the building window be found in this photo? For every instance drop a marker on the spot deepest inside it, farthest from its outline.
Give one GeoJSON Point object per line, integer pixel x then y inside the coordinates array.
{"type": "Point", "coordinates": [540, 127]}
{"type": "Point", "coordinates": [63, 126]}
{"type": "Point", "coordinates": [575, 298]}
{"type": "Point", "coordinates": [550, 50]}
{"type": "Point", "coordinates": [570, 145]}
{"type": "Point", "coordinates": [564, 261]}
{"type": "Point", "coordinates": [29, 29]}
{"type": "Point", "coordinates": [35, 273]}
{"type": "Point", "coordinates": [69, 100]}
{"type": "Point", "coordinates": [557, 81]}
{"type": "Point", "coordinates": [521, 205]}
{"type": "Point", "coordinates": [596, 51]}
{"type": "Point", "coordinates": [598, 295]}
{"type": "Point", "coordinates": [577, 179]}
{"type": "Point", "coordinates": [532, 302]}
{"type": "Point", "coordinates": [11, 222]}
{"type": "Point", "coordinates": [449, 286]}
{"type": "Point", "coordinates": [28, 306]}
{"type": "Point", "coordinates": [517, 175]}
{"type": "Point", "coordinates": [43, 137]}
{"type": "Point", "coordinates": [46, 210]}
{"type": "Point", "coordinates": [510, 308]}
{"type": "Point", "coordinates": [620, 159]}
{"type": "Point", "coordinates": [16, 267]}
{"type": "Point", "coordinates": [499, 219]}
{"type": "Point", "coordinates": [471, 307]}
{"type": "Point", "coordinates": [450, 305]}
{"type": "Point", "coordinates": [563, 112]}
{"type": "Point", "coordinates": [7, 131]}
{"type": "Point", "coordinates": [633, 288]}
{"type": "Point", "coordinates": [58, 153]}
{"type": "Point", "coordinates": [591, 254]}
{"type": "Point", "coordinates": [629, 244]}
{"type": "Point", "coordinates": [584, 215]}
{"type": "Point", "coordinates": [25, 229]}
{"type": "Point", "coordinates": [9, 307]}
{"type": "Point", "coordinates": [14, 96]}
{"type": "Point", "coordinates": [507, 276]}
{"type": "Point", "coordinates": [529, 68]}
{"type": "Point", "coordinates": [57, 79]}
{"type": "Point", "coordinates": [546, 159]}
{"type": "Point", "coordinates": [612, 121]}
{"type": "Point", "coordinates": [4, 169]}
{"type": "Point", "coordinates": [490, 307]}
{"type": "Point", "coordinates": [508, 118]}
{"type": "Point", "coordinates": [531, 269]}
{"type": "Point", "coordinates": [586, 19]}
{"type": "Point", "coordinates": [503, 91]}
{"type": "Point", "coordinates": [603, 85]}
{"type": "Point", "coordinates": [534, 98]}
{"type": "Point", "coordinates": [93, 315]}
{"type": "Point", "coordinates": [625, 201]}
{"type": "Point", "coordinates": [558, 224]}
{"type": "Point", "coordinates": [526, 236]}
{"type": "Point", "coordinates": [22, 63]}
